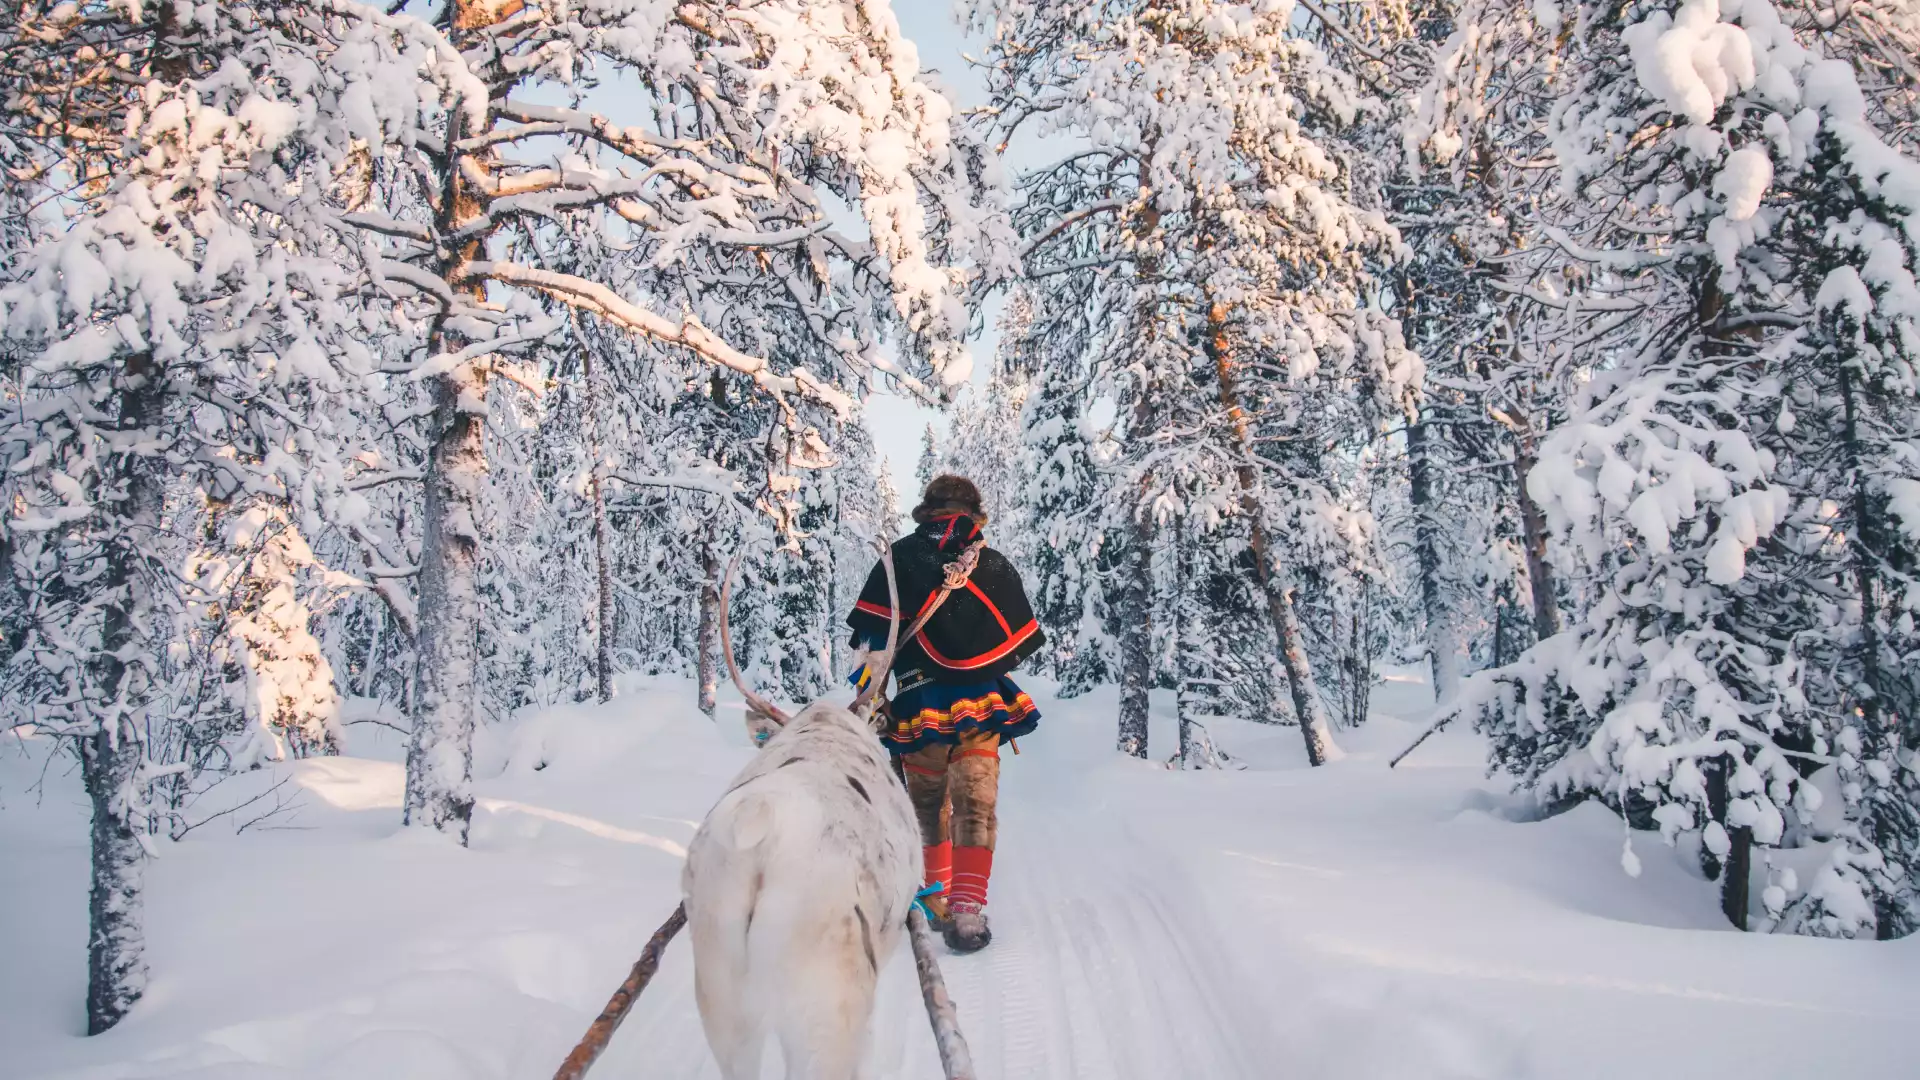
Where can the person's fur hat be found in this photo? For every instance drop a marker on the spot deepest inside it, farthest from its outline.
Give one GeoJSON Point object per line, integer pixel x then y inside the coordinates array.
{"type": "Point", "coordinates": [948, 493]}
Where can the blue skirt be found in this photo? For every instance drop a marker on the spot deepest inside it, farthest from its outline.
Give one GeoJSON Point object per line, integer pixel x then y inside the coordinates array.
{"type": "Point", "coordinates": [924, 712]}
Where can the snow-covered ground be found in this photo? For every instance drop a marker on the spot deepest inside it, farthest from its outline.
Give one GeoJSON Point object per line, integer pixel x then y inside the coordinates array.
{"type": "Point", "coordinates": [1347, 922]}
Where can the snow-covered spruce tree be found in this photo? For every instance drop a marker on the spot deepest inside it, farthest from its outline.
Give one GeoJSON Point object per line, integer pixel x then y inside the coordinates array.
{"type": "Point", "coordinates": [1846, 438]}
{"type": "Point", "coordinates": [1202, 242]}
{"type": "Point", "coordinates": [1717, 480]}
{"type": "Point", "coordinates": [1066, 556]}
{"type": "Point", "coordinates": [164, 330]}
{"type": "Point", "coordinates": [860, 520]}
{"type": "Point", "coordinates": [260, 582]}
{"type": "Point", "coordinates": [1202, 672]}
{"type": "Point", "coordinates": [931, 462]}
{"type": "Point", "coordinates": [984, 434]}
{"type": "Point", "coordinates": [1464, 90]}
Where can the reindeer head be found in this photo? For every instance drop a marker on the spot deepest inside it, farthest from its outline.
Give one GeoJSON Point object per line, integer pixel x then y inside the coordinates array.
{"type": "Point", "coordinates": [763, 717]}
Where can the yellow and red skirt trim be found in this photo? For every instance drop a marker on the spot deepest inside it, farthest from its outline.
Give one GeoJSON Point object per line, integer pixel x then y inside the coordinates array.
{"type": "Point", "coordinates": [940, 713]}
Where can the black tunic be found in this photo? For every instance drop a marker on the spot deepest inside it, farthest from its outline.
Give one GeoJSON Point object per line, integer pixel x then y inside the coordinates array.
{"type": "Point", "coordinates": [981, 632]}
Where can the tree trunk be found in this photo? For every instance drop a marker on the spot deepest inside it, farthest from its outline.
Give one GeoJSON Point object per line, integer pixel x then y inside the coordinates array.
{"type": "Point", "coordinates": [1508, 640]}
{"type": "Point", "coordinates": [1546, 609]}
{"type": "Point", "coordinates": [1736, 883]}
{"type": "Point", "coordinates": [1735, 871]}
{"type": "Point", "coordinates": [1135, 616]}
{"type": "Point", "coordinates": [1197, 750]}
{"type": "Point", "coordinates": [111, 755]}
{"type": "Point", "coordinates": [1307, 706]}
{"type": "Point", "coordinates": [116, 900]}
{"type": "Point", "coordinates": [1135, 605]}
{"type": "Point", "coordinates": [602, 560]}
{"type": "Point", "coordinates": [1443, 654]}
{"type": "Point", "coordinates": [706, 667]}
{"type": "Point", "coordinates": [1359, 663]}
{"type": "Point", "coordinates": [374, 646]}
{"type": "Point", "coordinates": [440, 752]}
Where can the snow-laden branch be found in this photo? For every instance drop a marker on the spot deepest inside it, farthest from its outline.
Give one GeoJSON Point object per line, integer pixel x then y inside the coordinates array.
{"type": "Point", "coordinates": [689, 333]}
{"type": "Point", "coordinates": [1067, 221]}
{"type": "Point", "coordinates": [718, 482]}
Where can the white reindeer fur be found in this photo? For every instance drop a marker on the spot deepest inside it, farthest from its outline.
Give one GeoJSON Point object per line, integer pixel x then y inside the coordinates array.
{"type": "Point", "coordinates": [797, 887]}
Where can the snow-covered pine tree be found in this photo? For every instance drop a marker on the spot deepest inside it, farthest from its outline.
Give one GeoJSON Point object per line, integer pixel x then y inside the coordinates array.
{"type": "Point", "coordinates": [164, 322]}
{"type": "Point", "coordinates": [1726, 476]}
{"type": "Point", "coordinates": [1066, 556]}
{"type": "Point", "coordinates": [892, 517]}
{"type": "Point", "coordinates": [984, 434]}
{"type": "Point", "coordinates": [1198, 249]}
{"type": "Point", "coordinates": [454, 239]}
{"type": "Point", "coordinates": [931, 462]}
{"type": "Point", "coordinates": [1845, 433]}
{"type": "Point", "coordinates": [1463, 97]}
{"type": "Point", "coordinates": [860, 521]}
{"type": "Point", "coordinates": [260, 581]}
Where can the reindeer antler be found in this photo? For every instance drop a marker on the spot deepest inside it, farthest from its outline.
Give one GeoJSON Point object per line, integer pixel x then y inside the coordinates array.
{"type": "Point", "coordinates": [877, 674]}
{"type": "Point", "coordinates": [754, 701]}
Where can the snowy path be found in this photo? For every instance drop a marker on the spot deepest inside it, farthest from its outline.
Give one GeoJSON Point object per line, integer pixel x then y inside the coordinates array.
{"type": "Point", "coordinates": [1346, 923]}
{"type": "Point", "coordinates": [1095, 973]}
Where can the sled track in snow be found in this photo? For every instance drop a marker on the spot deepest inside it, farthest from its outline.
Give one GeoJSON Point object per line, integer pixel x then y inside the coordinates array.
{"type": "Point", "coordinates": [1103, 967]}
{"type": "Point", "coordinates": [1092, 974]}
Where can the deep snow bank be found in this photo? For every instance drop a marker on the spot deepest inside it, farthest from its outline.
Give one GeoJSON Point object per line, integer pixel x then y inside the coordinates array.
{"type": "Point", "coordinates": [1347, 922]}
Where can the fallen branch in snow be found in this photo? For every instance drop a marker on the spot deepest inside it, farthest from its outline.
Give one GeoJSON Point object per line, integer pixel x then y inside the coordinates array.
{"type": "Point", "coordinates": [954, 1057]}
{"type": "Point", "coordinates": [1432, 729]}
{"type": "Point", "coordinates": [281, 804]}
{"type": "Point", "coordinates": [601, 1030]}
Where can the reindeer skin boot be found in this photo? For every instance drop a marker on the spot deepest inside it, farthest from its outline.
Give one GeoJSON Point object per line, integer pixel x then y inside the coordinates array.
{"type": "Point", "coordinates": [968, 931]}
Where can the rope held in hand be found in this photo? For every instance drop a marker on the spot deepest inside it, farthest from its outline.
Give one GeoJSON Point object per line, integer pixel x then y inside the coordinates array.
{"type": "Point", "coordinates": [955, 576]}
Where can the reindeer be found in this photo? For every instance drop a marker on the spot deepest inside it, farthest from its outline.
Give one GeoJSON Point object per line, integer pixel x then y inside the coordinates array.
{"type": "Point", "coordinates": [798, 883]}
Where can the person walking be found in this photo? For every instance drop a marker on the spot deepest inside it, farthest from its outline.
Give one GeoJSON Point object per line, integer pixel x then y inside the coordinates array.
{"type": "Point", "coordinates": [953, 705]}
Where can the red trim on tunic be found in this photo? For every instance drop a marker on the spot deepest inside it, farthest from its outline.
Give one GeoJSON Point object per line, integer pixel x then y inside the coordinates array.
{"type": "Point", "coordinates": [1013, 642]}
{"type": "Point", "coordinates": [997, 617]}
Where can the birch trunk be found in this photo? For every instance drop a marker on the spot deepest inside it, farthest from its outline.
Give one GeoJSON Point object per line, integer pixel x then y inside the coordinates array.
{"type": "Point", "coordinates": [1312, 712]}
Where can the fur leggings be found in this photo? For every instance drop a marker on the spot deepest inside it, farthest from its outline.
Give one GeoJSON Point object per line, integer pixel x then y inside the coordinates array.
{"type": "Point", "coordinates": [955, 790]}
